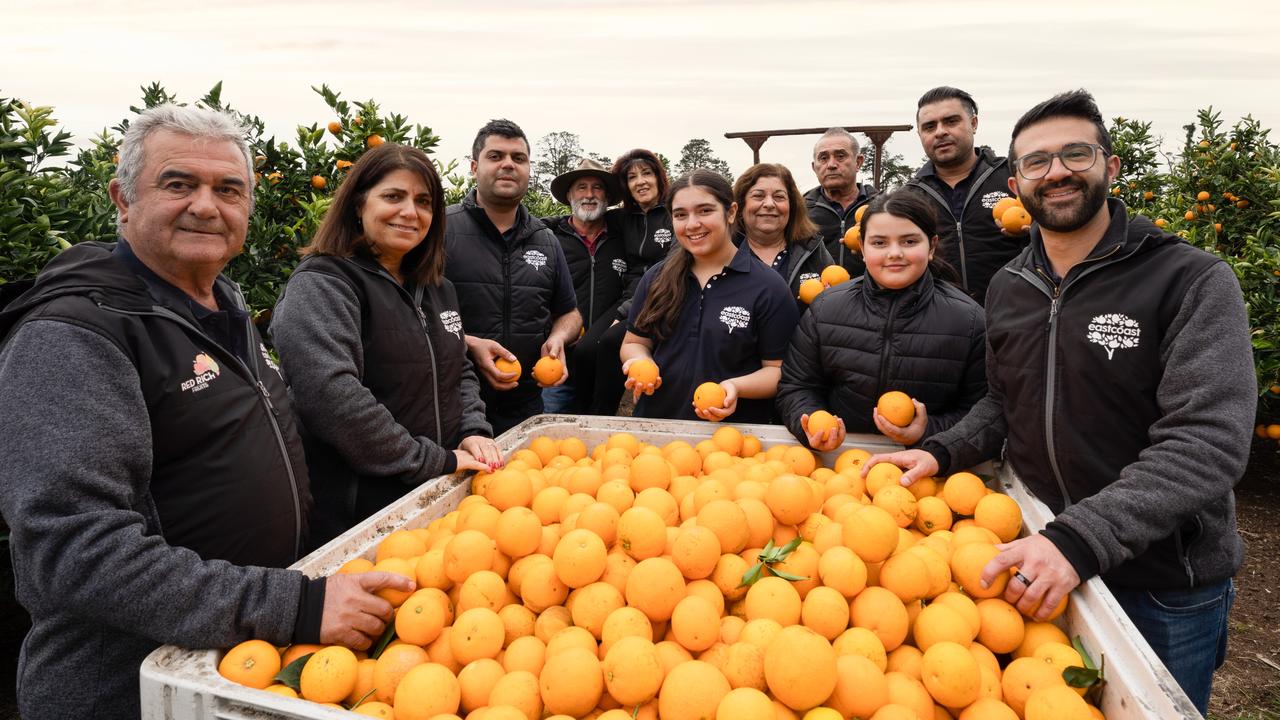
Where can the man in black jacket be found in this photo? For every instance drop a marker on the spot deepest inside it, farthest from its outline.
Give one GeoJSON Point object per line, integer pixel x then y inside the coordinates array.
{"type": "Point", "coordinates": [834, 203]}
{"type": "Point", "coordinates": [153, 479]}
{"type": "Point", "coordinates": [965, 183]}
{"type": "Point", "coordinates": [1120, 367]}
{"type": "Point", "coordinates": [513, 282]}
{"type": "Point", "coordinates": [597, 263]}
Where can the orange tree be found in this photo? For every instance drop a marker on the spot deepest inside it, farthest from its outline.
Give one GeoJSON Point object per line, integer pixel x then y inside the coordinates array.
{"type": "Point", "coordinates": [1221, 193]}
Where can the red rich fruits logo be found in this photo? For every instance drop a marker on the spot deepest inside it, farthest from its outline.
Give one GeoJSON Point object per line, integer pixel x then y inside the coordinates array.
{"type": "Point", "coordinates": [205, 364]}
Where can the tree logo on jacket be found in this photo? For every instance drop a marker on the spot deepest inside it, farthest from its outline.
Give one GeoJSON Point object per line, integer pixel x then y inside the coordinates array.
{"type": "Point", "coordinates": [990, 199]}
{"type": "Point", "coordinates": [452, 322]}
{"type": "Point", "coordinates": [662, 236]}
{"type": "Point", "coordinates": [535, 259]}
{"type": "Point", "coordinates": [206, 370]}
{"type": "Point", "coordinates": [620, 265]}
{"type": "Point", "coordinates": [1114, 331]}
{"type": "Point", "coordinates": [735, 316]}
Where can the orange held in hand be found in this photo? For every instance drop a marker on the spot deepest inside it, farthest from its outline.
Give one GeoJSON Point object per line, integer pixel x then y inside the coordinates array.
{"type": "Point", "coordinates": [810, 289]}
{"type": "Point", "coordinates": [508, 366]}
{"type": "Point", "coordinates": [644, 371]}
{"type": "Point", "coordinates": [998, 210]}
{"type": "Point", "coordinates": [853, 237]}
{"type": "Point", "coordinates": [834, 275]}
{"type": "Point", "coordinates": [1015, 219]}
{"type": "Point", "coordinates": [548, 370]}
{"type": "Point", "coordinates": [708, 395]}
{"type": "Point", "coordinates": [821, 421]}
{"type": "Point", "coordinates": [897, 408]}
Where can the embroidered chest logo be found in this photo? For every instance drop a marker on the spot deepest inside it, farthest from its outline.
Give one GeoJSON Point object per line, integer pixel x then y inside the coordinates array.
{"type": "Point", "coordinates": [535, 259]}
{"type": "Point", "coordinates": [735, 316]}
{"type": "Point", "coordinates": [270, 361]}
{"type": "Point", "coordinates": [1114, 331]}
{"type": "Point", "coordinates": [206, 371]}
{"type": "Point", "coordinates": [619, 265]}
{"type": "Point", "coordinates": [990, 199]}
{"type": "Point", "coordinates": [452, 322]}
{"type": "Point", "coordinates": [662, 236]}
{"type": "Point", "coordinates": [809, 276]}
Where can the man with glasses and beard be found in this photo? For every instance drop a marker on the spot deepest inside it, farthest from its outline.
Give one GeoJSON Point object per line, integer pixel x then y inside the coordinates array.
{"type": "Point", "coordinates": [964, 183]}
{"type": "Point", "coordinates": [1120, 368]}
{"type": "Point", "coordinates": [597, 263]}
{"type": "Point", "coordinates": [513, 283]}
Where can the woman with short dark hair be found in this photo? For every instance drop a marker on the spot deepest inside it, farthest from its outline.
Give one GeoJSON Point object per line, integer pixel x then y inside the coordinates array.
{"type": "Point", "coordinates": [773, 226]}
{"type": "Point", "coordinates": [372, 345]}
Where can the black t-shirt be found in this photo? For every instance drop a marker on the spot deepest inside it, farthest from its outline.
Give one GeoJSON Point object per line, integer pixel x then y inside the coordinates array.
{"type": "Point", "coordinates": [743, 316]}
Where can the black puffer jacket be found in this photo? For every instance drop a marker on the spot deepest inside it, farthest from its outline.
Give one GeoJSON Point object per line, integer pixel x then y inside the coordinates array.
{"type": "Point", "coordinates": [647, 238]}
{"type": "Point", "coordinates": [833, 222]}
{"type": "Point", "coordinates": [859, 341]}
{"type": "Point", "coordinates": [973, 243]}
{"type": "Point", "coordinates": [506, 291]}
{"type": "Point", "coordinates": [599, 278]}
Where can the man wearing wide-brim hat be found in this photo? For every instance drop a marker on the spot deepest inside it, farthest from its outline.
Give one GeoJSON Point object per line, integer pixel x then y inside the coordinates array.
{"type": "Point", "coordinates": [597, 263]}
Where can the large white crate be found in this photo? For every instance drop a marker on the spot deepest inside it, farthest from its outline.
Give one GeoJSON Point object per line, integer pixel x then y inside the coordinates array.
{"type": "Point", "coordinates": [180, 684]}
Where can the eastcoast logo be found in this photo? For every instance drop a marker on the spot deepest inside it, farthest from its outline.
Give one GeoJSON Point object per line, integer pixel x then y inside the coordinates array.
{"type": "Point", "coordinates": [1114, 331]}
{"type": "Point", "coordinates": [990, 199]}
{"type": "Point", "coordinates": [452, 322]}
{"type": "Point", "coordinates": [535, 258]}
{"type": "Point", "coordinates": [662, 236]}
{"type": "Point", "coordinates": [619, 265]}
{"type": "Point", "coordinates": [206, 371]}
{"type": "Point", "coordinates": [271, 363]}
{"type": "Point", "coordinates": [809, 276]}
{"type": "Point", "coordinates": [735, 316]}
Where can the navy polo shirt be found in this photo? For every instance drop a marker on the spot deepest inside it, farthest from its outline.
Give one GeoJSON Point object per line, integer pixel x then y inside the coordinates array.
{"type": "Point", "coordinates": [744, 315]}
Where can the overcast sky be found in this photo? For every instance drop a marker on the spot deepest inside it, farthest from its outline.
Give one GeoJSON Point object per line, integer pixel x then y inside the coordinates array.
{"type": "Point", "coordinates": [649, 74]}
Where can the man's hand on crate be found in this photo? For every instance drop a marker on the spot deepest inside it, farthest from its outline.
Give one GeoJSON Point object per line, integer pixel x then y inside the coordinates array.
{"type": "Point", "coordinates": [1044, 575]}
{"type": "Point", "coordinates": [353, 615]}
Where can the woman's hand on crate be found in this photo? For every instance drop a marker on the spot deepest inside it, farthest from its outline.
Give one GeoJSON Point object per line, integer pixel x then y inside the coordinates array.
{"type": "Point", "coordinates": [484, 450]}
{"type": "Point", "coordinates": [915, 464]}
{"type": "Point", "coordinates": [353, 615]}
{"type": "Point", "coordinates": [1044, 575]}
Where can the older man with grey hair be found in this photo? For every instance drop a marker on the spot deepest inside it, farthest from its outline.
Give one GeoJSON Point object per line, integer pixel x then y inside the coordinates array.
{"type": "Point", "coordinates": [153, 480]}
{"type": "Point", "coordinates": [834, 203]}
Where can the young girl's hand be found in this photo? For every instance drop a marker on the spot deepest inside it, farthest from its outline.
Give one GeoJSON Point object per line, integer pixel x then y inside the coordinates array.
{"type": "Point", "coordinates": [908, 435]}
{"type": "Point", "coordinates": [637, 389]}
{"type": "Point", "coordinates": [715, 414]}
{"type": "Point", "coordinates": [825, 440]}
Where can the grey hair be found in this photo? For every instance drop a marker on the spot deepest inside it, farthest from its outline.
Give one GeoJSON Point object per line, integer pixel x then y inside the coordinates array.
{"type": "Point", "coordinates": [195, 122]}
{"type": "Point", "coordinates": [839, 132]}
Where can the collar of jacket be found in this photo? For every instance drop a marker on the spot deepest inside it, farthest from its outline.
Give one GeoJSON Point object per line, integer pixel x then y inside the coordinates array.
{"type": "Point", "coordinates": [525, 224]}
{"type": "Point", "coordinates": [1134, 233]}
{"type": "Point", "coordinates": [909, 298]}
{"type": "Point", "coordinates": [817, 197]}
{"type": "Point", "coordinates": [986, 158]}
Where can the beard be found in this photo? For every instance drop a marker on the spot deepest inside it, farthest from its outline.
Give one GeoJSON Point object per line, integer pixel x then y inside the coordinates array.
{"type": "Point", "coordinates": [585, 214]}
{"type": "Point", "coordinates": [1069, 218]}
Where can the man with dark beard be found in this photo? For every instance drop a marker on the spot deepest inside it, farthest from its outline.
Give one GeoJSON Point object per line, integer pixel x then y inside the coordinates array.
{"type": "Point", "coordinates": [597, 264]}
{"type": "Point", "coordinates": [964, 184]}
{"type": "Point", "coordinates": [1120, 367]}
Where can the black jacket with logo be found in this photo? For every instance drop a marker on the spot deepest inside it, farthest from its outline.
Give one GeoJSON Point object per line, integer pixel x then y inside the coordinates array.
{"type": "Point", "coordinates": [833, 222]}
{"type": "Point", "coordinates": [598, 279]}
{"type": "Point", "coordinates": [1127, 392]}
{"type": "Point", "coordinates": [380, 376]}
{"type": "Point", "coordinates": [507, 291]}
{"type": "Point", "coordinates": [647, 237]}
{"type": "Point", "coordinates": [806, 259]}
{"type": "Point", "coordinates": [974, 243]}
{"type": "Point", "coordinates": [859, 341]}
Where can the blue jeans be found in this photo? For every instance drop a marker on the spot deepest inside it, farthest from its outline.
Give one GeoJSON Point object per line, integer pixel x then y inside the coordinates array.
{"type": "Point", "coordinates": [1187, 629]}
{"type": "Point", "coordinates": [558, 399]}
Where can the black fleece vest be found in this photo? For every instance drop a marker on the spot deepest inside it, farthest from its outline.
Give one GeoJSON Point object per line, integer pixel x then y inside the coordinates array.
{"type": "Point", "coordinates": [599, 278]}
{"type": "Point", "coordinates": [1080, 369]}
{"type": "Point", "coordinates": [228, 478]}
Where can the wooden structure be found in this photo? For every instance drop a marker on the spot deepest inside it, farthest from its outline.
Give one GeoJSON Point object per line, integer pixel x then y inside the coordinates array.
{"type": "Point", "coordinates": [879, 135]}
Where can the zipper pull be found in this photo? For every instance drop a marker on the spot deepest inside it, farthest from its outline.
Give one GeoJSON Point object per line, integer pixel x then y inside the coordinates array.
{"type": "Point", "coordinates": [266, 397]}
{"type": "Point", "coordinates": [1053, 309]}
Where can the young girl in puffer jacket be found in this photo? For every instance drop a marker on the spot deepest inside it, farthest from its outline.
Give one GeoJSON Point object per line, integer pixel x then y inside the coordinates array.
{"type": "Point", "coordinates": [901, 326]}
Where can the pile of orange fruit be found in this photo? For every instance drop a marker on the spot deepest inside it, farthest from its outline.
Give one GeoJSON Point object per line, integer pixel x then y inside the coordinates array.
{"type": "Point", "coordinates": [609, 583]}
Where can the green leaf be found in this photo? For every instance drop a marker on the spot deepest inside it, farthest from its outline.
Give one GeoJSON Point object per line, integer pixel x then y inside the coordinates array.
{"type": "Point", "coordinates": [751, 576]}
{"type": "Point", "coordinates": [1078, 644]}
{"type": "Point", "coordinates": [1081, 677]}
{"type": "Point", "coordinates": [791, 546]}
{"type": "Point", "coordinates": [788, 576]}
{"type": "Point", "coordinates": [291, 674]}
{"type": "Point", "coordinates": [363, 698]}
{"type": "Point", "coordinates": [387, 636]}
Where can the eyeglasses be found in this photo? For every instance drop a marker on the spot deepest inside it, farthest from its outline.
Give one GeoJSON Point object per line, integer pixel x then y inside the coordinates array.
{"type": "Point", "coordinates": [1077, 157]}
